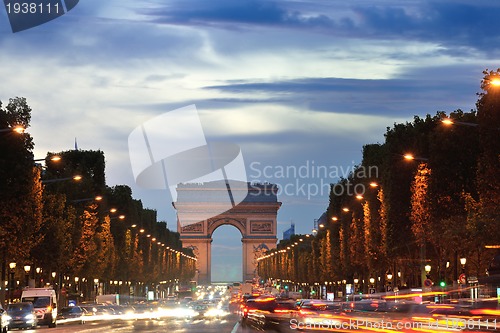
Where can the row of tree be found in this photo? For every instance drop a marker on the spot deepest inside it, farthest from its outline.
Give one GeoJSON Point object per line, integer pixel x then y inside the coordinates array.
{"type": "Point", "coordinates": [77, 228]}
{"type": "Point", "coordinates": [429, 208]}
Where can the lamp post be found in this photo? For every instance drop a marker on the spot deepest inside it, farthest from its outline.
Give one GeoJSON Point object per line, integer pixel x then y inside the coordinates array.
{"type": "Point", "coordinates": [76, 283]}
{"type": "Point", "coordinates": [38, 270]}
{"type": "Point", "coordinates": [427, 270]}
{"type": "Point", "coordinates": [96, 284]}
{"type": "Point", "coordinates": [356, 286]}
{"type": "Point", "coordinates": [27, 269]}
{"type": "Point", "coordinates": [75, 178]}
{"type": "Point", "coordinates": [389, 281]}
{"type": "Point", "coordinates": [411, 157]}
{"type": "Point", "coordinates": [16, 129]}
{"type": "Point", "coordinates": [462, 262]}
{"type": "Point", "coordinates": [12, 267]}
{"type": "Point", "coordinates": [448, 121]}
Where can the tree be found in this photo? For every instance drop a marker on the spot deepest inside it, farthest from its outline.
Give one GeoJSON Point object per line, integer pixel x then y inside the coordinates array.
{"type": "Point", "coordinates": [105, 259]}
{"type": "Point", "coordinates": [488, 169]}
{"type": "Point", "coordinates": [20, 187]}
{"type": "Point", "coordinates": [326, 268]}
{"type": "Point", "coordinates": [56, 245]}
{"type": "Point", "coordinates": [86, 251]}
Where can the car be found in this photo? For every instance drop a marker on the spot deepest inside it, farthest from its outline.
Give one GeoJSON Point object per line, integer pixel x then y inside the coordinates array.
{"type": "Point", "coordinates": [71, 314]}
{"type": "Point", "coordinates": [90, 309]}
{"type": "Point", "coordinates": [252, 311]}
{"type": "Point", "coordinates": [45, 303]}
{"type": "Point", "coordinates": [4, 320]}
{"type": "Point", "coordinates": [22, 315]}
{"type": "Point", "coordinates": [319, 315]}
{"type": "Point", "coordinates": [266, 312]}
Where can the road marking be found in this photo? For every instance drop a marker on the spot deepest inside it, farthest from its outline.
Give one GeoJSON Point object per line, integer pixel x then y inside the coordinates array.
{"type": "Point", "coordinates": [235, 328]}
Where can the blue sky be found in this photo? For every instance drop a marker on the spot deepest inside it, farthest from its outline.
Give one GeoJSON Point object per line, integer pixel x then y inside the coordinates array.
{"type": "Point", "coordinates": [294, 83]}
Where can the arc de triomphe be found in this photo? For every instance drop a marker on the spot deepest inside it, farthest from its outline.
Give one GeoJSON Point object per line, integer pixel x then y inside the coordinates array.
{"type": "Point", "coordinates": [255, 217]}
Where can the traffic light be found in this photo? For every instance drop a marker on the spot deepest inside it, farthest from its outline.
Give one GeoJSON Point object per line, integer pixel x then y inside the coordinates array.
{"type": "Point", "coordinates": [442, 283]}
{"type": "Point", "coordinates": [286, 287]}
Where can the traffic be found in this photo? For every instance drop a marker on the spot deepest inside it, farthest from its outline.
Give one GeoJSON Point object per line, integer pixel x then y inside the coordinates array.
{"type": "Point", "coordinates": [250, 308]}
{"type": "Point", "coordinates": [413, 311]}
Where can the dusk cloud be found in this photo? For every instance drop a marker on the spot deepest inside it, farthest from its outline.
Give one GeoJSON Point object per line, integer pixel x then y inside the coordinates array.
{"type": "Point", "coordinates": [288, 81]}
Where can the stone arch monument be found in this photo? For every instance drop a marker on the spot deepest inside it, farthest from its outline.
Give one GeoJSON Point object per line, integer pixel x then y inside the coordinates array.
{"type": "Point", "coordinates": [201, 209]}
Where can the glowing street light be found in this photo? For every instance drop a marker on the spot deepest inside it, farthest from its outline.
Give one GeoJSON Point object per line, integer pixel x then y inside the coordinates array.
{"type": "Point", "coordinates": [449, 122]}
{"type": "Point", "coordinates": [75, 178]}
{"type": "Point", "coordinates": [16, 129]}
{"type": "Point", "coordinates": [495, 81]}
{"type": "Point", "coordinates": [53, 158]}
{"type": "Point", "coordinates": [411, 157]}
{"type": "Point", "coordinates": [96, 198]}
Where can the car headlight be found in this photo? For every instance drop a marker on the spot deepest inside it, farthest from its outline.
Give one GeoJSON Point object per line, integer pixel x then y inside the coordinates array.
{"type": "Point", "coordinates": [29, 316]}
{"type": "Point", "coordinates": [7, 318]}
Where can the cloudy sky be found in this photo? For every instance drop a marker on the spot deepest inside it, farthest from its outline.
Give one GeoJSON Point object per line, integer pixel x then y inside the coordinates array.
{"type": "Point", "coordinates": [293, 83]}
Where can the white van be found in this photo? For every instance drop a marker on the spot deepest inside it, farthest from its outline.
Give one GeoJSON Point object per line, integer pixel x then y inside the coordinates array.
{"type": "Point", "coordinates": [45, 303]}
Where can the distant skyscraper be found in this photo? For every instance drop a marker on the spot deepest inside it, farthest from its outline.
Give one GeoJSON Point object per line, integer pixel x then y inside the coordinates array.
{"type": "Point", "coordinates": [287, 234]}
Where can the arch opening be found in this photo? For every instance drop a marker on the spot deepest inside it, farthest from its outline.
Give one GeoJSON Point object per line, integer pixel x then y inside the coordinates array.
{"type": "Point", "coordinates": [227, 257]}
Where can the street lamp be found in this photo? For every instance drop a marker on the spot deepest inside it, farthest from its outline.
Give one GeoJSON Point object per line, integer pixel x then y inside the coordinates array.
{"type": "Point", "coordinates": [96, 283]}
{"type": "Point", "coordinates": [411, 157]}
{"type": "Point", "coordinates": [96, 198]}
{"type": "Point", "coordinates": [12, 267]}
{"type": "Point", "coordinates": [27, 269]}
{"type": "Point", "coordinates": [76, 283]}
{"type": "Point", "coordinates": [427, 268]}
{"type": "Point", "coordinates": [17, 129]}
{"type": "Point", "coordinates": [449, 122]}
{"type": "Point", "coordinates": [53, 158]}
{"type": "Point", "coordinates": [462, 262]}
{"type": "Point", "coordinates": [38, 270]}
{"type": "Point", "coordinates": [75, 178]}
